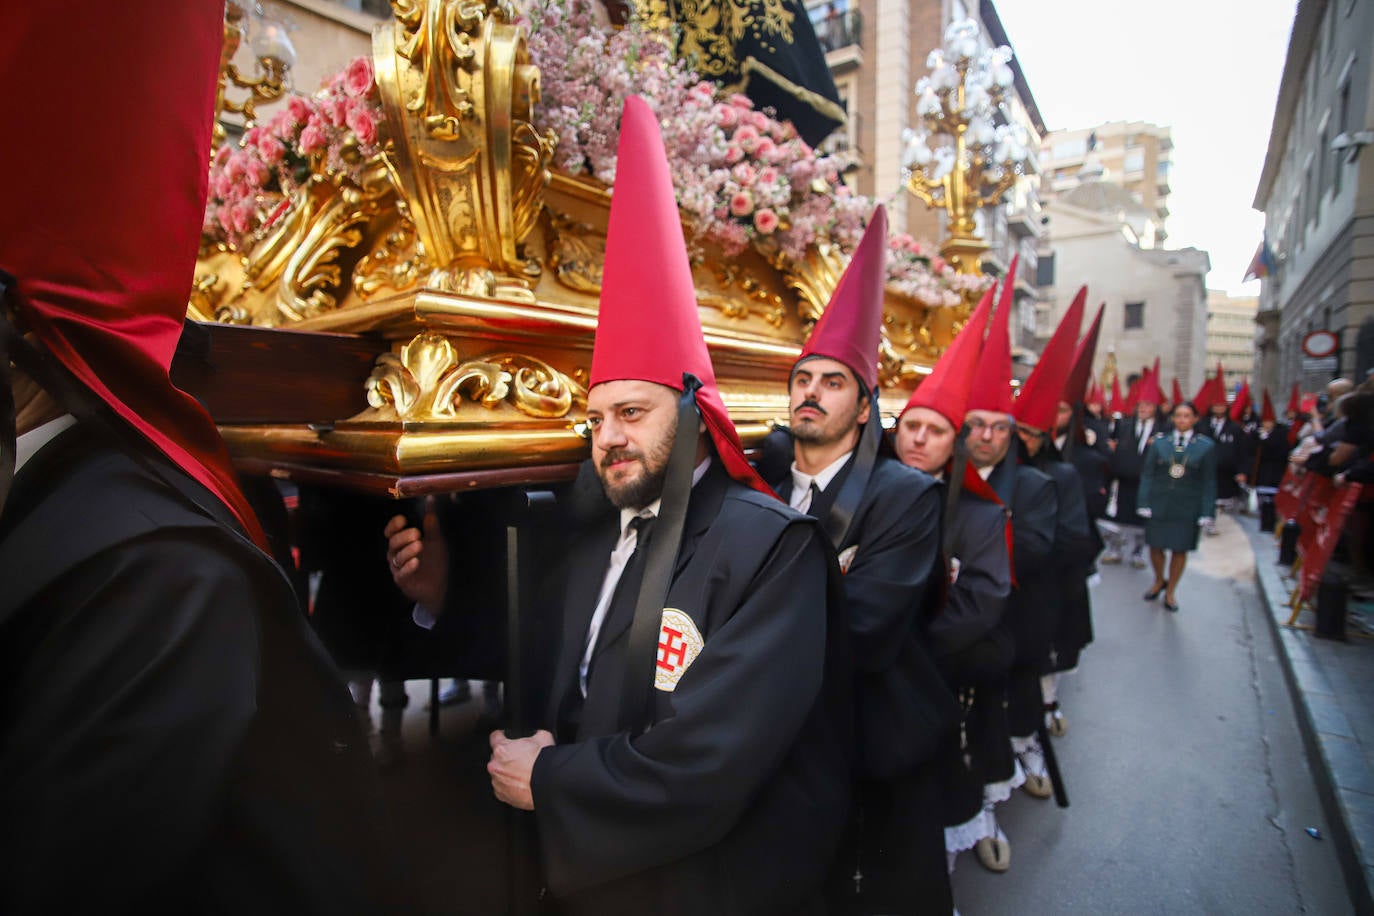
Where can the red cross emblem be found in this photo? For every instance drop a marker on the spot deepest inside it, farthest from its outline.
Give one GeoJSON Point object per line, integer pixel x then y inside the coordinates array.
{"type": "Point", "coordinates": [679, 643]}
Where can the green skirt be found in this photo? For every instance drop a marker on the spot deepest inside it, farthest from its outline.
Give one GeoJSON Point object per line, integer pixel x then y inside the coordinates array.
{"type": "Point", "coordinates": [1171, 534]}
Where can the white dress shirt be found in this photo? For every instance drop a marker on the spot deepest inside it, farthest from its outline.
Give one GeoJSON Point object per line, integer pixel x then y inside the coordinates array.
{"type": "Point", "coordinates": [801, 483]}
{"type": "Point", "coordinates": [620, 558]}
{"type": "Point", "coordinates": [27, 444]}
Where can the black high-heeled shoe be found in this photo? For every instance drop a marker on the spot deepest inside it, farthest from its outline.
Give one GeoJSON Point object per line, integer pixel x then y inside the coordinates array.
{"type": "Point", "coordinates": [1170, 605]}
{"type": "Point", "coordinates": [1154, 593]}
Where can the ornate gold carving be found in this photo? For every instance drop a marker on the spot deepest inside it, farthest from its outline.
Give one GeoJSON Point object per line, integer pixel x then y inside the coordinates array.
{"type": "Point", "coordinates": [429, 381]}
{"type": "Point", "coordinates": [577, 254]}
{"type": "Point", "coordinates": [204, 296]}
{"type": "Point", "coordinates": [457, 87]}
{"type": "Point", "coordinates": [813, 279]}
{"type": "Point", "coordinates": [397, 265]}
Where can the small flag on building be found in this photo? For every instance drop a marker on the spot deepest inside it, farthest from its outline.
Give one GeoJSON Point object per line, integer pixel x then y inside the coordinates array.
{"type": "Point", "coordinates": [1263, 263]}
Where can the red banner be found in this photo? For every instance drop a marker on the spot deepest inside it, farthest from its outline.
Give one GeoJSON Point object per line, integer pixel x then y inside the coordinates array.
{"type": "Point", "coordinates": [1323, 514]}
{"type": "Point", "coordinates": [1292, 493]}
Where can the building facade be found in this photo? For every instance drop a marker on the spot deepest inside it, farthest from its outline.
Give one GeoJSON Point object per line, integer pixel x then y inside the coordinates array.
{"type": "Point", "coordinates": [1316, 191]}
{"type": "Point", "coordinates": [1231, 336]}
{"type": "Point", "coordinates": [1136, 155]}
{"type": "Point", "coordinates": [877, 50]}
{"type": "Point", "coordinates": [1155, 298]}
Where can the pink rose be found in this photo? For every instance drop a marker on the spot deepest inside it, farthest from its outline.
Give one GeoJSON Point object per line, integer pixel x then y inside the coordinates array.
{"type": "Point", "coordinates": [759, 119]}
{"type": "Point", "coordinates": [313, 139]}
{"type": "Point", "coordinates": [271, 149]}
{"type": "Point", "coordinates": [765, 221]}
{"type": "Point", "coordinates": [224, 215]}
{"type": "Point", "coordinates": [726, 116]}
{"type": "Point", "coordinates": [742, 204]}
{"type": "Point", "coordinates": [744, 173]}
{"type": "Point", "coordinates": [220, 185]}
{"type": "Point", "coordinates": [233, 169]}
{"type": "Point", "coordinates": [298, 109]}
{"type": "Point", "coordinates": [357, 78]}
{"type": "Point", "coordinates": [733, 154]}
{"type": "Point", "coordinates": [222, 154]}
{"type": "Point", "coordinates": [740, 101]}
{"type": "Point", "coordinates": [768, 175]}
{"type": "Point", "coordinates": [937, 264]}
{"type": "Point", "coordinates": [257, 172]}
{"type": "Point", "coordinates": [241, 217]}
{"type": "Point", "coordinates": [764, 148]}
{"type": "Point", "coordinates": [362, 123]}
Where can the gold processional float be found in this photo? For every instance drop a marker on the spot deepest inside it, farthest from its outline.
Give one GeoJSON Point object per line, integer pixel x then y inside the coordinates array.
{"type": "Point", "coordinates": [428, 325]}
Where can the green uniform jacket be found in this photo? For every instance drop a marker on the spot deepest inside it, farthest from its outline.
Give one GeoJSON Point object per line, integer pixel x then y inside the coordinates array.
{"type": "Point", "coordinates": [1176, 504]}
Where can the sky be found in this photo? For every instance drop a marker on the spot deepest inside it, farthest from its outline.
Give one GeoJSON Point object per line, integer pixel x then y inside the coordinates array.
{"type": "Point", "coordinates": [1209, 69]}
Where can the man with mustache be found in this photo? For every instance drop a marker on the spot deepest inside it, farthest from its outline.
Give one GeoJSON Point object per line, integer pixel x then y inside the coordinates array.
{"type": "Point", "coordinates": [884, 522]}
{"type": "Point", "coordinates": [1030, 613]}
{"type": "Point", "coordinates": [694, 755]}
{"type": "Point", "coordinates": [970, 643]}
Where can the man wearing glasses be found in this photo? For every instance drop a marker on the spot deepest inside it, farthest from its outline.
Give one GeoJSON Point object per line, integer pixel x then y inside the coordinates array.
{"type": "Point", "coordinates": [1030, 495]}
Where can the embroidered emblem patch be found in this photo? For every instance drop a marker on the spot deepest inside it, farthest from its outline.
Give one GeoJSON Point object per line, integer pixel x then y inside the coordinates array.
{"type": "Point", "coordinates": [679, 644]}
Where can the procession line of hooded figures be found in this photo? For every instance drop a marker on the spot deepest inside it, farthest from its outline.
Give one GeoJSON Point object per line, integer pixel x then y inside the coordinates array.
{"type": "Point", "coordinates": [854, 657]}
{"type": "Point", "coordinates": [800, 688]}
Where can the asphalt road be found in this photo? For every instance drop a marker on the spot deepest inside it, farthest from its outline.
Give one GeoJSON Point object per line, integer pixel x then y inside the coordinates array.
{"type": "Point", "coordinates": [1190, 789]}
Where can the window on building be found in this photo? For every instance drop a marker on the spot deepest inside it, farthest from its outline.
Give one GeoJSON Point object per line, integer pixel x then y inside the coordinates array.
{"type": "Point", "coordinates": [1071, 149]}
{"type": "Point", "coordinates": [1134, 161]}
{"type": "Point", "coordinates": [1323, 156]}
{"type": "Point", "coordinates": [1044, 272]}
{"type": "Point", "coordinates": [1342, 125]}
{"type": "Point", "coordinates": [1134, 316]}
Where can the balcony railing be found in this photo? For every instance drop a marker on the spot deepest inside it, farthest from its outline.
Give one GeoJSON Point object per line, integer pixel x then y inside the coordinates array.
{"type": "Point", "coordinates": [840, 30]}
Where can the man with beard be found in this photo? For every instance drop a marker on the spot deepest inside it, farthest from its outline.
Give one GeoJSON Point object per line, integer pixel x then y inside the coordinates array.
{"type": "Point", "coordinates": [883, 520]}
{"type": "Point", "coordinates": [970, 646]}
{"type": "Point", "coordinates": [1075, 542]}
{"type": "Point", "coordinates": [1133, 435]}
{"type": "Point", "coordinates": [697, 729]}
{"type": "Point", "coordinates": [1030, 613]}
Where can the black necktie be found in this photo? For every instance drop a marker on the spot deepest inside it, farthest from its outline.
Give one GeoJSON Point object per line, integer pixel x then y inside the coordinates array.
{"type": "Point", "coordinates": [622, 603]}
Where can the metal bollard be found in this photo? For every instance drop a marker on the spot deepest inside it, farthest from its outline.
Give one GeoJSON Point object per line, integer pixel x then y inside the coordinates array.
{"type": "Point", "coordinates": [1267, 516]}
{"type": "Point", "coordinates": [1331, 607]}
{"type": "Point", "coordinates": [1288, 543]}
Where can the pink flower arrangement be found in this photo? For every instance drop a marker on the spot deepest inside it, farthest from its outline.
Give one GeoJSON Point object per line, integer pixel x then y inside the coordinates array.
{"type": "Point", "coordinates": [916, 270]}
{"type": "Point", "coordinates": [741, 176]}
{"type": "Point", "coordinates": [333, 132]}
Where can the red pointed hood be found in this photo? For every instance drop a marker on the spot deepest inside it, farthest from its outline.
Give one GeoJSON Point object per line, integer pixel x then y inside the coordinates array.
{"type": "Point", "coordinates": [1294, 399]}
{"type": "Point", "coordinates": [1038, 403]}
{"type": "Point", "coordinates": [991, 388]}
{"type": "Point", "coordinates": [648, 327]}
{"type": "Point", "coordinates": [946, 389]}
{"type": "Point", "coordinates": [1083, 355]}
{"type": "Point", "coordinates": [1177, 392]}
{"type": "Point", "coordinates": [104, 253]}
{"type": "Point", "coordinates": [849, 329]}
{"type": "Point", "coordinates": [1267, 411]}
{"type": "Point", "coordinates": [1118, 404]}
{"type": "Point", "coordinates": [1094, 395]}
{"type": "Point", "coordinates": [1241, 402]}
{"type": "Point", "coordinates": [1203, 399]}
{"type": "Point", "coordinates": [1147, 389]}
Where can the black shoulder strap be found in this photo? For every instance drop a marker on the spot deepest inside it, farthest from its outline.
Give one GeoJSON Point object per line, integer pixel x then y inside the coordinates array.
{"type": "Point", "coordinates": [659, 562]}
{"type": "Point", "coordinates": [955, 485]}
{"type": "Point", "coordinates": [841, 515]}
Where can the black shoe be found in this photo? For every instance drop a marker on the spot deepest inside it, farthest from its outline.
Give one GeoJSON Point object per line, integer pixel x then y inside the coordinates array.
{"type": "Point", "coordinates": [1154, 593]}
{"type": "Point", "coordinates": [1170, 606]}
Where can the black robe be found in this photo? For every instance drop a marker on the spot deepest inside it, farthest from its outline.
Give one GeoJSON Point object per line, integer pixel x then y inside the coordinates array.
{"type": "Point", "coordinates": [1032, 612]}
{"type": "Point", "coordinates": [1075, 547]}
{"type": "Point", "coordinates": [974, 654]}
{"type": "Point", "coordinates": [1267, 456]}
{"type": "Point", "coordinates": [1125, 466]}
{"type": "Point", "coordinates": [1231, 452]}
{"type": "Point", "coordinates": [734, 799]}
{"type": "Point", "coordinates": [174, 737]}
{"type": "Point", "coordinates": [905, 713]}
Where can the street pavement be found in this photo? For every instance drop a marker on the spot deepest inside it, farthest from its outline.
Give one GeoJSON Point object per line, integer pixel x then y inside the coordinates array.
{"type": "Point", "coordinates": [1191, 791]}
{"type": "Point", "coordinates": [1189, 786]}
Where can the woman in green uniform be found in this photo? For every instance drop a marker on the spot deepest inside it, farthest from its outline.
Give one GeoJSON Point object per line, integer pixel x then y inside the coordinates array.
{"type": "Point", "coordinates": [1178, 493]}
